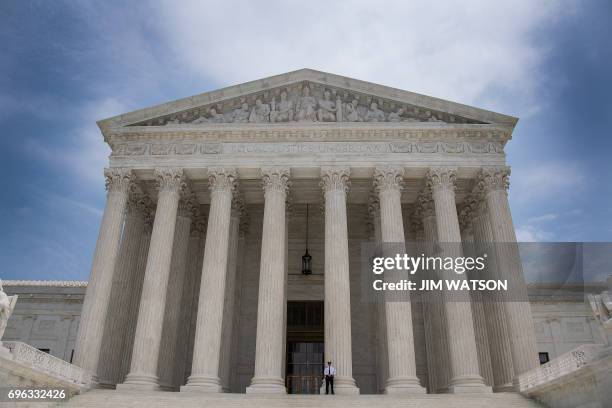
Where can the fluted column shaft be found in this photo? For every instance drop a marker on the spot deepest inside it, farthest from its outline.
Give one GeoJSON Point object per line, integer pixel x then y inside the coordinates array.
{"type": "Point", "coordinates": [135, 295]}
{"type": "Point", "coordinates": [95, 304]}
{"type": "Point", "coordinates": [495, 182]}
{"type": "Point", "coordinates": [117, 320]}
{"type": "Point", "coordinates": [143, 367]}
{"type": "Point", "coordinates": [388, 183]}
{"type": "Point", "coordinates": [478, 314]}
{"type": "Point", "coordinates": [463, 357]}
{"type": "Point", "coordinates": [335, 183]}
{"type": "Point", "coordinates": [193, 270]}
{"type": "Point", "coordinates": [230, 291]}
{"type": "Point", "coordinates": [270, 310]}
{"type": "Point", "coordinates": [382, 364]}
{"type": "Point", "coordinates": [497, 331]}
{"type": "Point", "coordinates": [436, 306]}
{"type": "Point", "coordinates": [168, 355]}
{"type": "Point", "coordinates": [207, 344]}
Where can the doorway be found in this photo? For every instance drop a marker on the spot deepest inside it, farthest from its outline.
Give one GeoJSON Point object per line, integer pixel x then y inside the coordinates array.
{"type": "Point", "coordinates": [305, 347]}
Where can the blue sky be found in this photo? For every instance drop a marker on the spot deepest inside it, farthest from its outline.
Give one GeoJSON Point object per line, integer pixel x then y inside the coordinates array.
{"type": "Point", "coordinates": [66, 64]}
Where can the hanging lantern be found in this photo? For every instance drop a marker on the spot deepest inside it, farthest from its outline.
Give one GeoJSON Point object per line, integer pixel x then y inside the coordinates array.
{"type": "Point", "coordinates": [306, 258]}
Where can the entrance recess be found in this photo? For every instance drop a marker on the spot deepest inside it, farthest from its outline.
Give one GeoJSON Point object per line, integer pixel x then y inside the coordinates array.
{"type": "Point", "coordinates": [305, 347]}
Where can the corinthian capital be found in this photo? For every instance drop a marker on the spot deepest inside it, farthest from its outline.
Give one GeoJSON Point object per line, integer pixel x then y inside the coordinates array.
{"type": "Point", "coordinates": [494, 178]}
{"type": "Point", "coordinates": [198, 226]}
{"type": "Point", "coordinates": [441, 178]}
{"type": "Point", "coordinates": [424, 205]}
{"type": "Point", "coordinates": [389, 178]}
{"type": "Point", "coordinates": [238, 206]}
{"type": "Point", "coordinates": [275, 179]}
{"type": "Point", "coordinates": [335, 179]}
{"type": "Point", "coordinates": [466, 214]}
{"type": "Point", "coordinates": [222, 179]}
{"type": "Point", "coordinates": [171, 180]}
{"type": "Point", "coordinates": [188, 206]}
{"type": "Point", "coordinates": [118, 179]}
{"type": "Point", "coordinates": [138, 202]}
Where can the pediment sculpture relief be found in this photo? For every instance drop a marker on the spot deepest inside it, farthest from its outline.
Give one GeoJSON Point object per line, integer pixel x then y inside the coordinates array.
{"type": "Point", "coordinates": [306, 102]}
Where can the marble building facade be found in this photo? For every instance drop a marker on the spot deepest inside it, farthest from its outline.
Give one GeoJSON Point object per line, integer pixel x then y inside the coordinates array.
{"type": "Point", "coordinates": [200, 244]}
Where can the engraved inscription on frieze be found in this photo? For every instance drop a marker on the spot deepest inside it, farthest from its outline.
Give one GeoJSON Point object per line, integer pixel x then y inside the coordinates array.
{"type": "Point", "coordinates": [305, 102]}
{"type": "Point", "coordinates": [310, 148]}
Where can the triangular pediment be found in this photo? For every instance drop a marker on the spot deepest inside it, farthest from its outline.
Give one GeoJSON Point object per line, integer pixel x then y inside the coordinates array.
{"type": "Point", "coordinates": [306, 96]}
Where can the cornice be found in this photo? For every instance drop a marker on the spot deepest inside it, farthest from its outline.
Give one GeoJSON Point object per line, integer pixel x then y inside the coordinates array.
{"type": "Point", "coordinates": [50, 283]}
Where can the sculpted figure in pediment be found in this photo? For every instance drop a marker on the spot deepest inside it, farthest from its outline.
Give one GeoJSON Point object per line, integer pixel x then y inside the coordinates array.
{"type": "Point", "coordinates": [434, 118]}
{"type": "Point", "coordinates": [260, 112]}
{"type": "Point", "coordinates": [214, 117]}
{"type": "Point", "coordinates": [374, 114]}
{"type": "Point", "coordinates": [351, 114]}
{"type": "Point", "coordinates": [327, 108]}
{"type": "Point", "coordinates": [283, 111]}
{"type": "Point", "coordinates": [396, 116]}
{"type": "Point", "coordinates": [339, 109]}
{"type": "Point", "coordinates": [241, 115]}
{"type": "Point", "coordinates": [305, 109]}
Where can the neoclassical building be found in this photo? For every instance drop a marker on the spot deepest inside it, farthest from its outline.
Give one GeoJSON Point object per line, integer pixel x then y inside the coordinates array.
{"type": "Point", "coordinates": [197, 284]}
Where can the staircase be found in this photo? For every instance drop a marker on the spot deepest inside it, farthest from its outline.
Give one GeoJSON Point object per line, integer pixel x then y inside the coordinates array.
{"type": "Point", "coordinates": [132, 399]}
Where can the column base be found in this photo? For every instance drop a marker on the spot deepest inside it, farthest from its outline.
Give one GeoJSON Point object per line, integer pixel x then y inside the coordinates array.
{"type": "Point", "coordinates": [404, 385]}
{"type": "Point", "coordinates": [468, 385]}
{"type": "Point", "coordinates": [134, 381]}
{"type": "Point", "coordinates": [504, 388]}
{"type": "Point", "coordinates": [267, 385]}
{"type": "Point", "coordinates": [342, 386]}
{"type": "Point", "coordinates": [204, 384]}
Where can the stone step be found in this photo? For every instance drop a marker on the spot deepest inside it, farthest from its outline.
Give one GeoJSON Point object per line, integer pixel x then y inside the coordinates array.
{"type": "Point", "coordinates": [133, 399]}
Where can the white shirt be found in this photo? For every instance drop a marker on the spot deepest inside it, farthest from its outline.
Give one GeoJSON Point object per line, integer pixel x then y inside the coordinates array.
{"type": "Point", "coordinates": [329, 370]}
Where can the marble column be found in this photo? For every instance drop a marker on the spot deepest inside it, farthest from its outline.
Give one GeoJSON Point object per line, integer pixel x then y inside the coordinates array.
{"type": "Point", "coordinates": [136, 292]}
{"type": "Point", "coordinates": [117, 320]}
{"type": "Point", "coordinates": [435, 305]}
{"type": "Point", "coordinates": [463, 357]}
{"type": "Point", "coordinates": [207, 344]}
{"type": "Point", "coordinates": [168, 355]}
{"type": "Point", "coordinates": [147, 340]}
{"type": "Point", "coordinates": [189, 297]}
{"type": "Point", "coordinates": [478, 314]}
{"type": "Point", "coordinates": [388, 183]}
{"type": "Point", "coordinates": [382, 366]}
{"type": "Point", "coordinates": [497, 331]}
{"type": "Point", "coordinates": [270, 310]}
{"type": "Point", "coordinates": [97, 296]}
{"type": "Point", "coordinates": [230, 291]}
{"type": "Point", "coordinates": [335, 184]}
{"type": "Point", "coordinates": [495, 182]}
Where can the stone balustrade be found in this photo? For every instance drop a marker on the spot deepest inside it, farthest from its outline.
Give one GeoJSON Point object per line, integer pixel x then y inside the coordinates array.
{"type": "Point", "coordinates": [559, 367]}
{"type": "Point", "coordinates": [51, 365]}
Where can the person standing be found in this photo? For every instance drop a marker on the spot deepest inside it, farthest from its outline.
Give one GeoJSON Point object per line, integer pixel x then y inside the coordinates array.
{"type": "Point", "coordinates": [329, 373]}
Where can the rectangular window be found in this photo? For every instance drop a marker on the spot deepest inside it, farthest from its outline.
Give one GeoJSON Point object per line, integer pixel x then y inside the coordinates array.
{"type": "Point", "coordinates": [544, 357]}
{"type": "Point", "coordinates": [45, 350]}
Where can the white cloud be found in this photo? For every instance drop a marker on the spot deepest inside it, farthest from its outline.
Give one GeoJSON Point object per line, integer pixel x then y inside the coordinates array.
{"type": "Point", "coordinates": [434, 48]}
{"type": "Point", "coordinates": [547, 181]}
{"type": "Point", "coordinates": [85, 154]}
{"type": "Point", "coordinates": [530, 233]}
{"type": "Point", "coordinates": [542, 218]}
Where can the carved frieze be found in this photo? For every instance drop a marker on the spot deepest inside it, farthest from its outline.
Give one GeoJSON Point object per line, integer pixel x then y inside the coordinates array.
{"type": "Point", "coordinates": [424, 147]}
